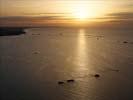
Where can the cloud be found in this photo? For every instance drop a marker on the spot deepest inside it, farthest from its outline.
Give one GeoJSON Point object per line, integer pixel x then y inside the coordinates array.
{"type": "Point", "coordinates": [33, 20]}
{"type": "Point", "coordinates": [121, 16]}
{"type": "Point", "coordinates": [48, 14]}
{"type": "Point", "coordinates": [128, 16]}
{"type": "Point", "coordinates": [120, 19]}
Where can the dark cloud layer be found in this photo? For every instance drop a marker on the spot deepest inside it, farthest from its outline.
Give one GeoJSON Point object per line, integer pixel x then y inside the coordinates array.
{"type": "Point", "coordinates": [122, 15]}
{"type": "Point", "coordinates": [121, 19]}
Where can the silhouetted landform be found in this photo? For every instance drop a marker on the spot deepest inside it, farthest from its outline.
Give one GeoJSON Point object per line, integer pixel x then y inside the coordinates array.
{"type": "Point", "coordinates": [9, 31]}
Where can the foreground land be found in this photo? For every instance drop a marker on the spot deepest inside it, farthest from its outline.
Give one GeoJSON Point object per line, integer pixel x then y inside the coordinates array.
{"type": "Point", "coordinates": [7, 31]}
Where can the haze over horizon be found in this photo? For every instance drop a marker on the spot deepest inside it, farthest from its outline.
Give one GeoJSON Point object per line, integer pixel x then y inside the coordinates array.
{"type": "Point", "coordinates": [66, 13]}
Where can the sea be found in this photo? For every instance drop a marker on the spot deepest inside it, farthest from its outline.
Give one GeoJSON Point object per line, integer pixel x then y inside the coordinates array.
{"type": "Point", "coordinates": [39, 64]}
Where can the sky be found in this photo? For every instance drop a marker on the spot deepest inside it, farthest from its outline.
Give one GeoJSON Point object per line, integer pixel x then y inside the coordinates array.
{"type": "Point", "coordinates": [65, 12]}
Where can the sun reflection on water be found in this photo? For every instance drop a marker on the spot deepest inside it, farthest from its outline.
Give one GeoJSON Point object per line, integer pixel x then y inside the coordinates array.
{"type": "Point", "coordinates": [82, 69]}
{"type": "Point", "coordinates": [82, 56]}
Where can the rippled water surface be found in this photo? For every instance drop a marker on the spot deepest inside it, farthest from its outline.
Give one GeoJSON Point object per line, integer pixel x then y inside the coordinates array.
{"type": "Point", "coordinates": [32, 64]}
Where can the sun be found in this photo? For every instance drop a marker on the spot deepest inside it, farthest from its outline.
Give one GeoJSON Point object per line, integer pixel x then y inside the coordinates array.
{"type": "Point", "coordinates": [80, 13]}
{"type": "Point", "coordinates": [83, 11]}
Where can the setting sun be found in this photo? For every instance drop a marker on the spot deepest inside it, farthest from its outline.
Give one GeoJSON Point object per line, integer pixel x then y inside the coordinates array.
{"type": "Point", "coordinates": [81, 14]}
{"type": "Point", "coordinates": [80, 11]}
{"type": "Point", "coordinates": [83, 11]}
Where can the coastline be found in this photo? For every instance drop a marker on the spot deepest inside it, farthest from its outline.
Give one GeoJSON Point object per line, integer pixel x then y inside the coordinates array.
{"type": "Point", "coordinates": [10, 31]}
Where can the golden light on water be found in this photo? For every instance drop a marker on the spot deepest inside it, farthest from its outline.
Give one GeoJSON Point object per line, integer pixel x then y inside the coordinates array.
{"type": "Point", "coordinates": [82, 49]}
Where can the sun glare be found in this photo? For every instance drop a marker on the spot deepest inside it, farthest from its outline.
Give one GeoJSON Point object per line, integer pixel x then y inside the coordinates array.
{"type": "Point", "coordinates": [84, 10]}
{"type": "Point", "coordinates": [81, 14]}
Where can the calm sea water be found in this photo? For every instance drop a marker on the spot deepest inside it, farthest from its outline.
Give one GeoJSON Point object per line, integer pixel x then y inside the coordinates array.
{"type": "Point", "coordinates": [32, 64]}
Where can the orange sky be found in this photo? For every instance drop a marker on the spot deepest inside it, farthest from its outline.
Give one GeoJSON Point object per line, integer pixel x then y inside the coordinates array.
{"type": "Point", "coordinates": [39, 12]}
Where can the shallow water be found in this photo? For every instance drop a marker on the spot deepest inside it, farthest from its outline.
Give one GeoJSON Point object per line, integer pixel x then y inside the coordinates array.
{"type": "Point", "coordinates": [31, 65]}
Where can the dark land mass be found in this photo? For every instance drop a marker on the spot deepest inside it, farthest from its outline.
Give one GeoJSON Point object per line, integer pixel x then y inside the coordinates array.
{"type": "Point", "coordinates": [9, 31]}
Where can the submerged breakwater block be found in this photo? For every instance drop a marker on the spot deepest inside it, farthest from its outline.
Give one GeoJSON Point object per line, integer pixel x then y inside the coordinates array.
{"type": "Point", "coordinates": [60, 82]}
{"type": "Point", "coordinates": [71, 80]}
{"type": "Point", "coordinates": [97, 75]}
{"type": "Point", "coordinates": [125, 42]}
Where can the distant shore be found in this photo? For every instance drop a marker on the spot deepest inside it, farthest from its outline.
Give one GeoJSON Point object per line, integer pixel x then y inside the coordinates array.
{"type": "Point", "coordinates": [9, 31]}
